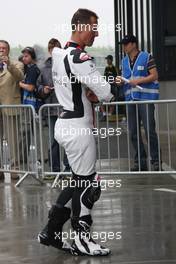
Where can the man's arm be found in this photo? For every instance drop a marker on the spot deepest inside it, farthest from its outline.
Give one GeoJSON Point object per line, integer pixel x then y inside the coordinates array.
{"type": "Point", "coordinates": [43, 91]}
{"type": "Point", "coordinates": [152, 73]}
{"type": "Point", "coordinates": [28, 87]}
{"type": "Point", "coordinates": [83, 67]}
{"type": "Point", "coordinates": [16, 69]}
{"type": "Point", "coordinates": [30, 82]}
{"type": "Point", "coordinates": [152, 77]}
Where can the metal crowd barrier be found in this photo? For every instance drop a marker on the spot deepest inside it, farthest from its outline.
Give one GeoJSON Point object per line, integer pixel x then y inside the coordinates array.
{"type": "Point", "coordinates": [18, 142]}
{"type": "Point", "coordinates": [28, 146]}
{"type": "Point", "coordinates": [120, 152]}
{"type": "Point", "coordinates": [115, 153]}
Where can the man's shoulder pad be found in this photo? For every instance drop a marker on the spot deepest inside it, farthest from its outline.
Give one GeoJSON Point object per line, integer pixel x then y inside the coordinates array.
{"type": "Point", "coordinates": [80, 56]}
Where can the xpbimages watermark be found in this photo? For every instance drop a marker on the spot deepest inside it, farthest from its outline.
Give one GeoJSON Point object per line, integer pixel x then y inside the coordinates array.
{"type": "Point", "coordinates": [103, 28]}
{"type": "Point", "coordinates": [102, 236]}
{"type": "Point", "coordinates": [103, 132]}
{"type": "Point", "coordinates": [102, 183]}
{"type": "Point", "coordinates": [87, 79]}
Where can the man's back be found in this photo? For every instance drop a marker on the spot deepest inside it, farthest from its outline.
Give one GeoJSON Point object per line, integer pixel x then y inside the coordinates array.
{"type": "Point", "coordinates": [70, 93]}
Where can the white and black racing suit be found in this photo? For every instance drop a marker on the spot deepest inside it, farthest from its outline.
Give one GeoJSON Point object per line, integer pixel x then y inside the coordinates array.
{"type": "Point", "coordinates": [74, 71]}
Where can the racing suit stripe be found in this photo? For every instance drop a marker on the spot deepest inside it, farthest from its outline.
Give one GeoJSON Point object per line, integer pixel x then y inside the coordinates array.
{"type": "Point", "coordinates": [76, 91]}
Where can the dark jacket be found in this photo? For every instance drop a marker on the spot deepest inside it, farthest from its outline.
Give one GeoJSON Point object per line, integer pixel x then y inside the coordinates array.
{"type": "Point", "coordinates": [110, 71]}
{"type": "Point", "coordinates": [32, 73]}
{"type": "Point", "coordinates": [45, 79]}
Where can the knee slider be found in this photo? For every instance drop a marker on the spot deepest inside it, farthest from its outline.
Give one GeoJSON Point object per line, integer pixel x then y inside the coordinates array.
{"type": "Point", "coordinates": [95, 192]}
{"type": "Point", "coordinates": [92, 194]}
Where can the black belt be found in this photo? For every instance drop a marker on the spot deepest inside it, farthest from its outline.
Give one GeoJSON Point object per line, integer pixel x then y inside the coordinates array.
{"type": "Point", "coordinates": [66, 114]}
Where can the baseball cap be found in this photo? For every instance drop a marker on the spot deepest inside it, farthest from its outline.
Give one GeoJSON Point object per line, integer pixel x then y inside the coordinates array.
{"type": "Point", "coordinates": [128, 39]}
{"type": "Point", "coordinates": [109, 57]}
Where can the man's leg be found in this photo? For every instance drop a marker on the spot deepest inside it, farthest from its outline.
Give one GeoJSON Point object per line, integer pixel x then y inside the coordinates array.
{"type": "Point", "coordinates": [58, 215]}
{"type": "Point", "coordinates": [81, 152]}
{"type": "Point", "coordinates": [86, 193]}
{"type": "Point", "coordinates": [54, 147]}
{"type": "Point", "coordinates": [148, 119]}
{"type": "Point", "coordinates": [134, 123]}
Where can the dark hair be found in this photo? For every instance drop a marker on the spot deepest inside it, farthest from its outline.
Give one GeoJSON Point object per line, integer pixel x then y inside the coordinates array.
{"type": "Point", "coordinates": [109, 57]}
{"type": "Point", "coordinates": [20, 58]}
{"type": "Point", "coordinates": [30, 51]}
{"type": "Point", "coordinates": [82, 16]}
{"type": "Point", "coordinates": [7, 43]}
{"type": "Point", "coordinates": [53, 43]}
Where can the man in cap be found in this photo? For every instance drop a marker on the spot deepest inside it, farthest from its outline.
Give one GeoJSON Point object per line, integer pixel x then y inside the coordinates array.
{"type": "Point", "coordinates": [139, 69]}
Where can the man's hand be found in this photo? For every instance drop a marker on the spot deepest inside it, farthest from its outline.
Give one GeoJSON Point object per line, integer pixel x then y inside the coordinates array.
{"type": "Point", "coordinates": [134, 82]}
{"type": "Point", "coordinates": [25, 86]}
{"type": "Point", "coordinates": [5, 59]}
{"type": "Point", "coordinates": [21, 83]}
{"type": "Point", "coordinates": [91, 96]}
{"type": "Point", "coordinates": [119, 81]}
{"type": "Point", "coordinates": [47, 89]}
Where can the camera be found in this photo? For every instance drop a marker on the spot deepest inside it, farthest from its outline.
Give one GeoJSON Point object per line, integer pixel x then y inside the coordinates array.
{"type": "Point", "coordinates": [1, 57]}
{"type": "Point", "coordinates": [1, 62]}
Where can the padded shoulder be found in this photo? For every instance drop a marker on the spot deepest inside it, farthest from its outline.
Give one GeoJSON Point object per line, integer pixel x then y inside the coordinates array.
{"type": "Point", "coordinates": [80, 56]}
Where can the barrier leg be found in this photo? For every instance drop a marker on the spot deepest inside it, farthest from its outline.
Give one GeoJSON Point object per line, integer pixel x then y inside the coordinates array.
{"type": "Point", "coordinates": [24, 177]}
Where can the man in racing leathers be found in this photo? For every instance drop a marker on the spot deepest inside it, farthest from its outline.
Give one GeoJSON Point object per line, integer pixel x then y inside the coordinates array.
{"type": "Point", "coordinates": [73, 72]}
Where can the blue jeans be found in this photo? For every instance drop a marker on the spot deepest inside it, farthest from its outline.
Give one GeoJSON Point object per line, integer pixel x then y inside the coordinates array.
{"type": "Point", "coordinates": [145, 113]}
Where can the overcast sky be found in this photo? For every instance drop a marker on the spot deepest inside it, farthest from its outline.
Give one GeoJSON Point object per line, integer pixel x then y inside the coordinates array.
{"type": "Point", "coordinates": [36, 21]}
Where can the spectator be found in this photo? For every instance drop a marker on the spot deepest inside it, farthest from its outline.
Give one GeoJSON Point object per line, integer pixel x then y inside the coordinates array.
{"type": "Point", "coordinates": [46, 91]}
{"type": "Point", "coordinates": [28, 87]}
{"type": "Point", "coordinates": [139, 68]}
{"type": "Point", "coordinates": [11, 73]}
{"type": "Point", "coordinates": [110, 70]}
{"type": "Point", "coordinates": [110, 74]}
